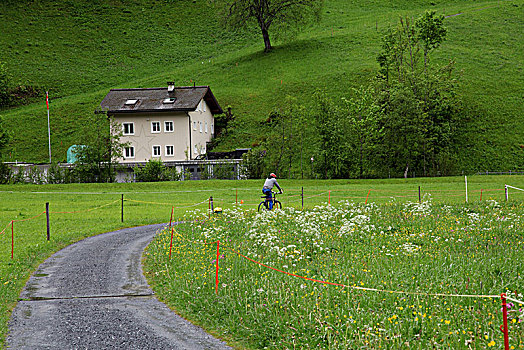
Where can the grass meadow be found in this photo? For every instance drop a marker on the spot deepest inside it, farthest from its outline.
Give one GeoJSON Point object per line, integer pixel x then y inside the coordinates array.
{"type": "Point", "coordinates": [81, 210]}
{"type": "Point", "coordinates": [418, 259]}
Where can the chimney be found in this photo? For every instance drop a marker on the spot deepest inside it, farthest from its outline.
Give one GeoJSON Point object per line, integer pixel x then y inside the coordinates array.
{"type": "Point", "coordinates": [170, 86]}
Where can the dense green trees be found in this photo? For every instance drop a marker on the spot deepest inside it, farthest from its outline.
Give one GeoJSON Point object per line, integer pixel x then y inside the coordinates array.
{"type": "Point", "coordinates": [405, 122]}
{"type": "Point", "coordinates": [418, 99]}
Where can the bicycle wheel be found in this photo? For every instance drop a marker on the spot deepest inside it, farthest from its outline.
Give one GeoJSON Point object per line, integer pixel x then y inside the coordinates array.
{"type": "Point", "coordinates": [262, 206]}
{"type": "Point", "coordinates": [277, 205]}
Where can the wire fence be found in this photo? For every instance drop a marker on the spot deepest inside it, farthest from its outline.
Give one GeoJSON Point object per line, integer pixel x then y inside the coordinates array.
{"type": "Point", "coordinates": [297, 197]}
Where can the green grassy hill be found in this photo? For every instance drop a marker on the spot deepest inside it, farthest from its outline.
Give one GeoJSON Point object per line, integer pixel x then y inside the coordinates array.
{"type": "Point", "coordinates": [78, 51]}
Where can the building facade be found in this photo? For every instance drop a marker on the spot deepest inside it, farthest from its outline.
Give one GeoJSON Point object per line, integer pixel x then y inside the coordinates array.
{"type": "Point", "coordinates": [170, 123]}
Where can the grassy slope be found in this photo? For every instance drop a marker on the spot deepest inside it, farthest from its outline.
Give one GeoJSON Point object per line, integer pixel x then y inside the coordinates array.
{"type": "Point", "coordinates": [84, 50]}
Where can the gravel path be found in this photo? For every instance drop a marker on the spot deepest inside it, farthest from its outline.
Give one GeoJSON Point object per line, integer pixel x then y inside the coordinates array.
{"type": "Point", "coordinates": [93, 295]}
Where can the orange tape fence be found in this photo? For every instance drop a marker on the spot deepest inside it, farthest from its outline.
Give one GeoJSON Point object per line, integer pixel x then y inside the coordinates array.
{"type": "Point", "coordinates": [122, 200]}
{"type": "Point", "coordinates": [293, 197]}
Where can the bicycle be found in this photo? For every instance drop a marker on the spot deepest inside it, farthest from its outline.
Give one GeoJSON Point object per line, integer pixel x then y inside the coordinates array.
{"type": "Point", "coordinates": [264, 205]}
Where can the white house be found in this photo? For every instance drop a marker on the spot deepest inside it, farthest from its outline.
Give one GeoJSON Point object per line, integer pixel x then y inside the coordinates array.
{"type": "Point", "coordinates": [168, 123]}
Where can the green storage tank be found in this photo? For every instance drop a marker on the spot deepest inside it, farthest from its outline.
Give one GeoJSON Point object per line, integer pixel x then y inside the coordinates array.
{"type": "Point", "coordinates": [71, 153]}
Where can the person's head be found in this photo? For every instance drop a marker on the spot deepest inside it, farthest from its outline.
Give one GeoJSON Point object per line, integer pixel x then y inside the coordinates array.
{"type": "Point", "coordinates": [272, 176]}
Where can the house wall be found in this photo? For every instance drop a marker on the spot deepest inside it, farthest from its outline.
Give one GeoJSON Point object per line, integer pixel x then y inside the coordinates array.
{"type": "Point", "coordinates": [185, 147]}
{"type": "Point", "coordinates": [144, 139]}
{"type": "Point", "coordinates": [202, 129]}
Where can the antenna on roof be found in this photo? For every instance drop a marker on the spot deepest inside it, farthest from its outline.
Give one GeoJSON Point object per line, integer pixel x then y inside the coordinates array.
{"type": "Point", "coordinates": [194, 85]}
{"type": "Point", "coordinates": [170, 86]}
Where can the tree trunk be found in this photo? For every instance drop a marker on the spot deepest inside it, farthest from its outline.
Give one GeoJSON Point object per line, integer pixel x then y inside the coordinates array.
{"type": "Point", "coordinates": [267, 43]}
{"type": "Point", "coordinates": [361, 161]}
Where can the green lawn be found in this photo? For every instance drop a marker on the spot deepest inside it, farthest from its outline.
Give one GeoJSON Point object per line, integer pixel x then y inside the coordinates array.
{"type": "Point", "coordinates": [96, 208]}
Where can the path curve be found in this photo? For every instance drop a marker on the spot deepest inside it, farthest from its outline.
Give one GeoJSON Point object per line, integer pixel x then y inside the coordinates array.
{"type": "Point", "coordinates": [93, 295]}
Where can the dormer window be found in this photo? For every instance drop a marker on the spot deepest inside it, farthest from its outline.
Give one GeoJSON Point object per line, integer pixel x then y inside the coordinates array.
{"type": "Point", "coordinates": [131, 102]}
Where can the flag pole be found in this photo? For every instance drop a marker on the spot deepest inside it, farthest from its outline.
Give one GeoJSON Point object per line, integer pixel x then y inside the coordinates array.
{"type": "Point", "coordinates": [48, 126]}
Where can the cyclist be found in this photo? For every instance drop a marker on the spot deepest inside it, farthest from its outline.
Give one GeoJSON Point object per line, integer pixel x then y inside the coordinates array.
{"type": "Point", "coordinates": [268, 186]}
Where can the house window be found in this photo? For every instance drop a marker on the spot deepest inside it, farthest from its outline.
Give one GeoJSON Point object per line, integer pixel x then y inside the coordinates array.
{"type": "Point", "coordinates": [156, 151]}
{"type": "Point", "coordinates": [212, 128]}
{"type": "Point", "coordinates": [170, 150]}
{"type": "Point", "coordinates": [194, 125]}
{"type": "Point", "coordinates": [203, 106]}
{"type": "Point", "coordinates": [196, 150]}
{"type": "Point", "coordinates": [129, 128]}
{"type": "Point", "coordinates": [168, 126]}
{"type": "Point", "coordinates": [129, 152]}
{"type": "Point", "coordinates": [206, 128]}
{"type": "Point", "coordinates": [200, 124]}
{"type": "Point", "coordinates": [155, 127]}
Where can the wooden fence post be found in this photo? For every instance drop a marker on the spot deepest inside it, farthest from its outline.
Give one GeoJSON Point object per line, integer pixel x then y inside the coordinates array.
{"type": "Point", "coordinates": [216, 273]}
{"type": "Point", "coordinates": [47, 215]}
{"type": "Point", "coordinates": [12, 239]}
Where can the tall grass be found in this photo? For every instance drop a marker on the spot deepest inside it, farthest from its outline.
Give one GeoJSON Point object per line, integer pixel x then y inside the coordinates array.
{"type": "Point", "coordinates": [96, 208]}
{"type": "Point", "coordinates": [349, 275]}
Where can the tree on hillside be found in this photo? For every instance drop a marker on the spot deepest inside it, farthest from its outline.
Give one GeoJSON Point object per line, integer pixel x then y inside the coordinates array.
{"type": "Point", "coordinates": [431, 31]}
{"type": "Point", "coordinates": [97, 160]}
{"type": "Point", "coordinates": [418, 99]}
{"type": "Point", "coordinates": [332, 159]}
{"type": "Point", "coordinates": [4, 137]}
{"type": "Point", "coordinates": [4, 86]}
{"type": "Point", "coordinates": [283, 15]}
{"type": "Point", "coordinates": [363, 115]}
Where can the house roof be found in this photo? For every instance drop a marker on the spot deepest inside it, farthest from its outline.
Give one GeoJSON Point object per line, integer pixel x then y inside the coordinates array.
{"type": "Point", "coordinates": [153, 100]}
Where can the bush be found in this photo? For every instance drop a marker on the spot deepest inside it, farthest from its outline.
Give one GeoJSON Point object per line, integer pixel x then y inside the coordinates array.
{"type": "Point", "coordinates": [171, 174]}
{"type": "Point", "coordinates": [153, 171]}
{"type": "Point", "coordinates": [55, 174]}
{"type": "Point", "coordinates": [224, 171]}
{"type": "Point", "coordinates": [5, 173]}
{"type": "Point", "coordinates": [253, 164]}
{"type": "Point", "coordinates": [35, 175]}
{"type": "Point", "coordinates": [18, 177]}
{"type": "Point", "coordinates": [186, 174]}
